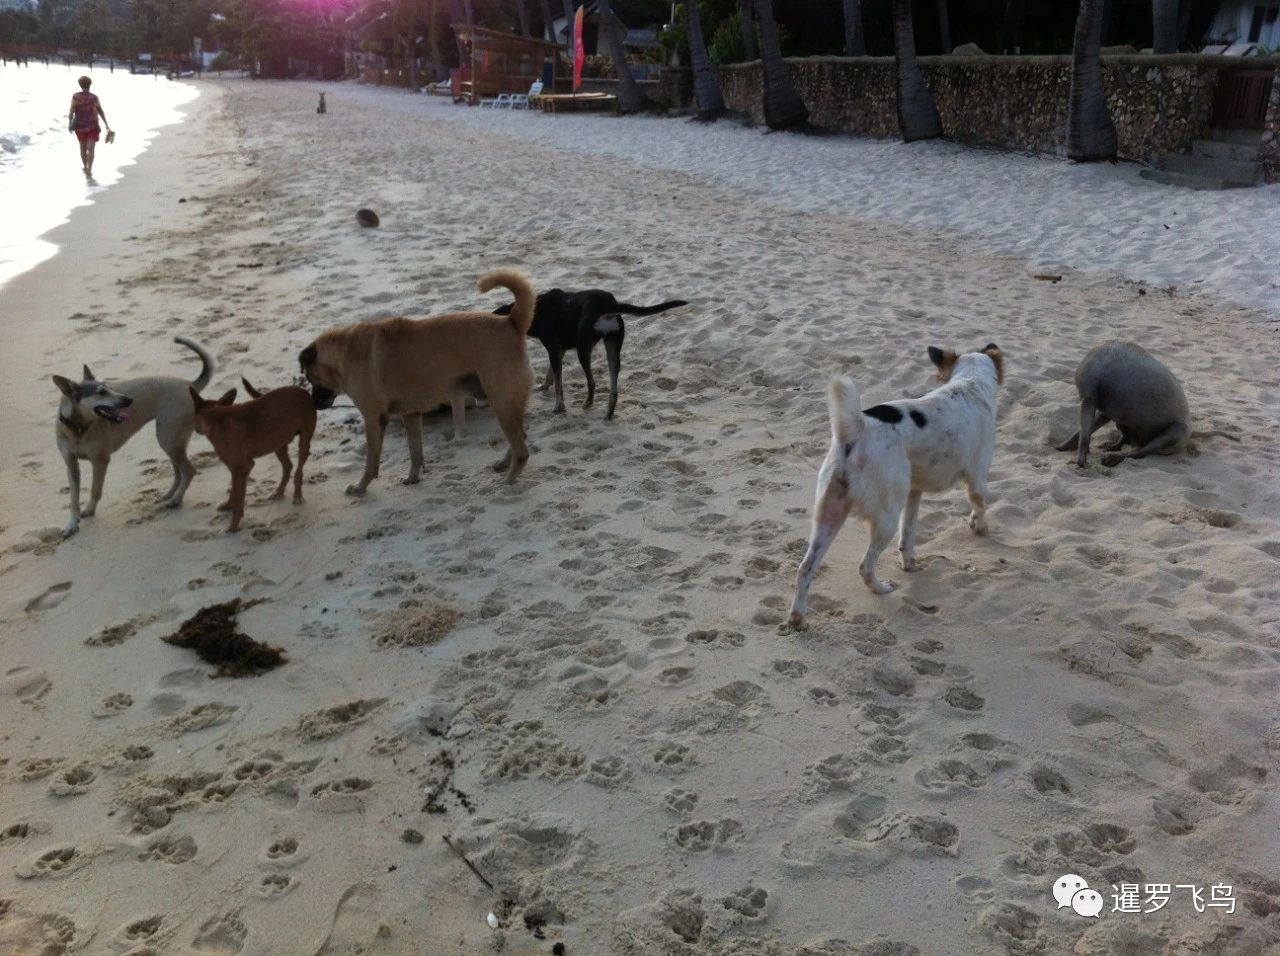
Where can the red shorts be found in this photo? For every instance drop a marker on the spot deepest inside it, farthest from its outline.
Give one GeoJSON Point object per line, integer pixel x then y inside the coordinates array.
{"type": "Point", "coordinates": [84, 135]}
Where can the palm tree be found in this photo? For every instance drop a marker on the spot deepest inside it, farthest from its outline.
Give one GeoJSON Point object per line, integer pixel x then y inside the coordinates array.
{"type": "Point", "coordinates": [917, 113]}
{"type": "Point", "coordinates": [1011, 33]}
{"type": "Point", "coordinates": [523, 14]}
{"type": "Point", "coordinates": [548, 33]}
{"type": "Point", "coordinates": [1090, 133]}
{"type": "Point", "coordinates": [855, 42]}
{"type": "Point", "coordinates": [783, 107]}
{"type": "Point", "coordinates": [1164, 18]}
{"type": "Point", "coordinates": [706, 89]}
{"type": "Point", "coordinates": [746, 17]}
{"type": "Point", "coordinates": [630, 99]}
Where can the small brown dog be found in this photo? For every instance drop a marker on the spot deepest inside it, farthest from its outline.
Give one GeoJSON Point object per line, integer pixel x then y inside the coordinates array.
{"type": "Point", "coordinates": [241, 433]}
{"type": "Point", "coordinates": [407, 367]}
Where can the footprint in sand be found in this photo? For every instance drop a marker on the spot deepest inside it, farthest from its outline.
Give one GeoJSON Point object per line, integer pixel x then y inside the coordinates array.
{"type": "Point", "coordinates": [50, 598]}
{"type": "Point", "coordinates": [52, 863]}
{"type": "Point", "coordinates": [222, 934]}
{"type": "Point", "coordinates": [282, 853]}
{"type": "Point", "coordinates": [73, 782]}
{"type": "Point", "coordinates": [28, 685]}
{"type": "Point", "coordinates": [275, 885]}
{"type": "Point", "coordinates": [138, 931]}
{"type": "Point", "coordinates": [113, 705]}
{"type": "Point", "coordinates": [171, 849]}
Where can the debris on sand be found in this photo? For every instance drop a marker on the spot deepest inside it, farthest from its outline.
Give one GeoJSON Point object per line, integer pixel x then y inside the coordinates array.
{"type": "Point", "coordinates": [367, 218]}
{"type": "Point", "coordinates": [211, 632]}
{"type": "Point", "coordinates": [418, 626]}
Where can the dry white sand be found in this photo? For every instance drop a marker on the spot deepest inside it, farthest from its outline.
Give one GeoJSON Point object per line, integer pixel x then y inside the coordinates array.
{"type": "Point", "coordinates": [618, 735]}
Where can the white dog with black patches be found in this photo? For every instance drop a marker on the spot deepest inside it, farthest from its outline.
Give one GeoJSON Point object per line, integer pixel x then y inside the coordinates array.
{"type": "Point", "coordinates": [883, 459]}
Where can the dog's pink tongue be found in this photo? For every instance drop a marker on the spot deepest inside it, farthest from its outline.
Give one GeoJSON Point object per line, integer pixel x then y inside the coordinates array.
{"type": "Point", "coordinates": [124, 416]}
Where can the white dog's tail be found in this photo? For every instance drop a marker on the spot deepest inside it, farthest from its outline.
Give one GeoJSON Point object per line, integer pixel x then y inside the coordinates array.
{"type": "Point", "coordinates": [207, 365]}
{"type": "Point", "coordinates": [846, 411]}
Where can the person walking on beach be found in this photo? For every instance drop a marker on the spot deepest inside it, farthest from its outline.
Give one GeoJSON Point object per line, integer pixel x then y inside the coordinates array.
{"type": "Point", "coordinates": [83, 121]}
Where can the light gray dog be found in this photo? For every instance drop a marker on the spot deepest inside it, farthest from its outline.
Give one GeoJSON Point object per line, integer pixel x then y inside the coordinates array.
{"type": "Point", "coordinates": [95, 419]}
{"type": "Point", "coordinates": [1124, 383]}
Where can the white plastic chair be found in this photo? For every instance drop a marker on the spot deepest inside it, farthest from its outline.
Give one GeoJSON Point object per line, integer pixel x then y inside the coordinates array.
{"type": "Point", "coordinates": [520, 101]}
{"type": "Point", "coordinates": [501, 101]}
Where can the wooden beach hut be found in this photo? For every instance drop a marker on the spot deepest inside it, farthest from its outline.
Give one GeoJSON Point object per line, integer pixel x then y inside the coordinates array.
{"type": "Point", "coordinates": [503, 62]}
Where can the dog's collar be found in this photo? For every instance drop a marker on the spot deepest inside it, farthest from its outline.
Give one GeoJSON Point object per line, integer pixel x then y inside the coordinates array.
{"type": "Point", "coordinates": [76, 428]}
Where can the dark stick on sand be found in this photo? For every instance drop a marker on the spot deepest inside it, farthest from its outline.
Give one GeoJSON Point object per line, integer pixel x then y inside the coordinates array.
{"type": "Point", "coordinates": [462, 856]}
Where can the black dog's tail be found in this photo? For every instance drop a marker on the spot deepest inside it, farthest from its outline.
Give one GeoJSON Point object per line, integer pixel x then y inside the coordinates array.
{"type": "Point", "coordinates": [627, 309]}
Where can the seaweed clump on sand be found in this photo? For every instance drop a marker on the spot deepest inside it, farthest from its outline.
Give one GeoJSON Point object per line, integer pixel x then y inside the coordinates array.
{"type": "Point", "coordinates": [212, 633]}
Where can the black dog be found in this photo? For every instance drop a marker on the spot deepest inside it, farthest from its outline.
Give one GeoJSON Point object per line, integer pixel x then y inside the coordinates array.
{"type": "Point", "coordinates": [578, 320]}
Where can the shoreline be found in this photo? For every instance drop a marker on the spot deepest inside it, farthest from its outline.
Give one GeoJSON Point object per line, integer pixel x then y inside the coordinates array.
{"type": "Point", "coordinates": [632, 753]}
{"type": "Point", "coordinates": [31, 184]}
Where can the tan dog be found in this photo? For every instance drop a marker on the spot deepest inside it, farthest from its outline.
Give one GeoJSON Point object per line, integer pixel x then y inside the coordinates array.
{"type": "Point", "coordinates": [409, 366]}
{"type": "Point", "coordinates": [241, 433]}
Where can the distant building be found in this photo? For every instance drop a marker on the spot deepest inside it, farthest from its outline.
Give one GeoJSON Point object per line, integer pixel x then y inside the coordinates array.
{"type": "Point", "coordinates": [1242, 22]}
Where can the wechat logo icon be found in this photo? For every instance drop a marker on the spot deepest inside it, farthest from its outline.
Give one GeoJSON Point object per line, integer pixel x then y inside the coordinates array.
{"type": "Point", "coordinates": [1071, 890]}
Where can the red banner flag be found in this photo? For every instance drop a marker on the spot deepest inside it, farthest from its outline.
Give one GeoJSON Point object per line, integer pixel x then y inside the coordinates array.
{"type": "Point", "coordinates": [579, 50]}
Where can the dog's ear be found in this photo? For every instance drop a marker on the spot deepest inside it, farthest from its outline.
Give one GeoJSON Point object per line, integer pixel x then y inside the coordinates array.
{"type": "Point", "coordinates": [67, 387]}
{"type": "Point", "coordinates": [88, 375]}
{"type": "Point", "coordinates": [227, 398]}
{"type": "Point", "coordinates": [195, 398]}
{"type": "Point", "coordinates": [307, 357]}
{"type": "Point", "coordinates": [992, 351]}
{"type": "Point", "coordinates": [944, 360]}
{"type": "Point", "coordinates": [504, 309]}
{"type": "Point", "coordinates": [252, 392]}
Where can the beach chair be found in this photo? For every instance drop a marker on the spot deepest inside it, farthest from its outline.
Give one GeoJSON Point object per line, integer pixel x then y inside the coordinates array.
{"type": "Point", "coordinates": [520, 101]}
{"type": "Point", "coordinates": [501, 101]}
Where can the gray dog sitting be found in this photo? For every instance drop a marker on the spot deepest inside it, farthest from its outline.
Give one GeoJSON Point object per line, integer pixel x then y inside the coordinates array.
{"type": "Point", "coordinates": [1124, 383]}
{"type": "Point", "coordinates": [95, 418]}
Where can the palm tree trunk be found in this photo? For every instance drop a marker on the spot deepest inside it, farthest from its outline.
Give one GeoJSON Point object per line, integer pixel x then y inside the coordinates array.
{"type": "Point", "coordinates": [917, 113]}
{"type": "Point", "coordinates": [1164, 23]}
{"type": "Point", "coordinates": [568, 31]}
{"type": "Point", "coordinates": [706, 89]}
{"type": "Point", "coordinates": [855, 42]}
{"type": "Point", "coordinates": [548, 33]}
{"type": "Point", "coordinates": [433, 38]}
{"type": "Point", "coordinates": [523, 14]}
{"type": "Point", "coordinates": [944, 26]}
{"type": "Point", "coordinates": [783, 107]}
{"type": "Point", "coordinates": [747, 19]}
{"type": "Point", "coordinates": [630, 99]}
{"type": "Point", "coordinates": [1090, 133]}
{"type": "Point", "coordinates": [1011, 33]}
{"type": "Point", "coordinates": [1184, 21]}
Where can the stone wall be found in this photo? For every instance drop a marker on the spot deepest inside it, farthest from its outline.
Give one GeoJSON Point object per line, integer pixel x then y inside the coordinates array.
{"type": "Point", "coordinates": [1158, 103]}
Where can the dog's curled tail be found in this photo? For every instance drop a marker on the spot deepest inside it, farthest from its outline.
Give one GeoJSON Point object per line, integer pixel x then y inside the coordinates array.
{"type": "Point", "coordinates": [209, 366]}
{"type": "Point", "coordinates": [521, 314]}
{"type": "Point", "coordinates": [846, 411]}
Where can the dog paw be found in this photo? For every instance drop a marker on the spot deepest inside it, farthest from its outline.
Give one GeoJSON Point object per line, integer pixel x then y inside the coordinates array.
{"type": "Point", "coordinates": [910, 564]}
{"type": "Point", "coordinates": [588, 403]}
{"type": "Point", "coordinates": [88, 512]}
{"type": "Point", "coordinates": [881, 587]}
{"type": "Point", "coordinates": [172, 502]}
{"type": "Point", "coordinates": [297, 499]}
{"type": "Point", "coordinates": [977, 525]}
{"type": "Point", "coordinates": [795, 622]}
{"type": "Point", "coordinates": [355, 491]}
{"type": "Point", "coordinates": [225, 506]}
{"type": "Point", "coordinates": [558, 410]}
{"type": "Point", "coordinates": [1110, 461]}
{"type": "Point", "coordinates": [410, 480]}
